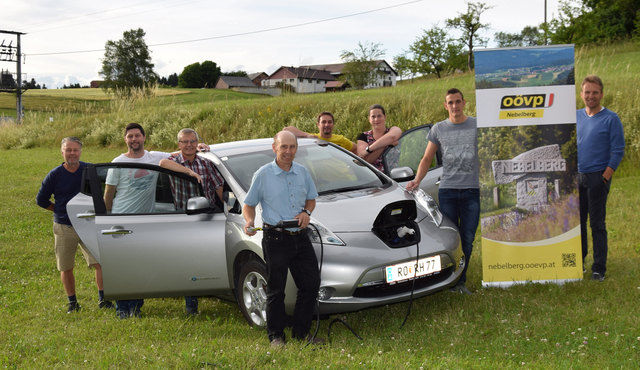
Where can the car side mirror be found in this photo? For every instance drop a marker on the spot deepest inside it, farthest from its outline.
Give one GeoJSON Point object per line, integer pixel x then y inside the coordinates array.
{"type": "Point", "coordinates": [197, 205]}
{"type": "Point", "coordinates": [401, 174]}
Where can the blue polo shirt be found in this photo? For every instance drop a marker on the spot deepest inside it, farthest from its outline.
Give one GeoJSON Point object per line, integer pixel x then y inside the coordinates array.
{"type": "Point", "coordinates": [282, 194]}
{"type": "Point", "coordinates": [600, 141]}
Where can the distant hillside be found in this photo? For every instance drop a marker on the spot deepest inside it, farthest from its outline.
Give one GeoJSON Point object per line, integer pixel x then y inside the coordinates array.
{"type": "Point", "coordinates": [226, 115]}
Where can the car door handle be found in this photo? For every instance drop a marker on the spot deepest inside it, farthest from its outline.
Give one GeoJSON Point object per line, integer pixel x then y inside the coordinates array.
{"type": "Point", "coordinates": [438, 182]}
{"type": "Point", "coordinates": [116, 232]}
{"type": "Point", "coordinates": [86, 215]}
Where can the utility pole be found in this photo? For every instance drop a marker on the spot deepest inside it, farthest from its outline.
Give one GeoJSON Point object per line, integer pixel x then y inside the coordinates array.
{"type": "Point", "coordinates": [545, 22]}
{"type": "Point", "coordinates": [7, 55]}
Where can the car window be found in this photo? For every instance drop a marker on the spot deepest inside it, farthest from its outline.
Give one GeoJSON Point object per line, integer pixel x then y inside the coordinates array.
{"type": "Point", "coordinates": [145, 189]}
{"type": "Point", "coordinates": [331, 168]}
{"type": "Point", "coordinates": [409, 150]}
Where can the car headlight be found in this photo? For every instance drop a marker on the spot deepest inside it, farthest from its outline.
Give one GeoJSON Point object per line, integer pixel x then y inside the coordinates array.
{"type": "Point", "coordinates": [429, 205]}
{"type": "Point", "coordinates": [318, 232]}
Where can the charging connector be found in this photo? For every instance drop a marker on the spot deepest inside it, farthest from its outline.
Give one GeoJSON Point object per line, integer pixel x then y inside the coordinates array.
{"type": "Point", "coordinates": [402, 231]}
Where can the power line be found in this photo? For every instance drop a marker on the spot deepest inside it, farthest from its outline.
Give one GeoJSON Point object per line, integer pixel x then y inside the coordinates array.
{"type": "Point", "coordinates": [116, 16]}
{"type": "Point", "coordinates": [248, 32]}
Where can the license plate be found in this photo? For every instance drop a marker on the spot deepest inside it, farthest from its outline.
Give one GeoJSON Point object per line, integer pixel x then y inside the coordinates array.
{"type": "Point", "coordinates": [407, 270]}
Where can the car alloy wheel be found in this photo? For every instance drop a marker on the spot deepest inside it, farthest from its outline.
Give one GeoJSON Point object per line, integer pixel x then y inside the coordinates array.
{"type": "Point", "coordinates": [251, 292]}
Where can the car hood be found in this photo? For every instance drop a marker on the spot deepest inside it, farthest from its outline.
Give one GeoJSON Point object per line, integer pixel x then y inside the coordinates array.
{"type": "Point", "coordinates": [355, 211]}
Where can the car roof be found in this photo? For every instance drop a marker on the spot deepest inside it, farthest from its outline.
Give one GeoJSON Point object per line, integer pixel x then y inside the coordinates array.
{"type": "Point", "coordinates": [245, 146]}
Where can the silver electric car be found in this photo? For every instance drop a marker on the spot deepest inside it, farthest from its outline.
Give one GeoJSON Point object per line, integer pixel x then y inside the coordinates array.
{"type": "Point", "coordinates": [372, 238]}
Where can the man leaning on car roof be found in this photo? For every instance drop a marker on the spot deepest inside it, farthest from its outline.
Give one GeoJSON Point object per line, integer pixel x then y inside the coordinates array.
{"type": "Point", "coordinates": [326, 123]}
{"type": "Point", "coordinates": [188, 162]}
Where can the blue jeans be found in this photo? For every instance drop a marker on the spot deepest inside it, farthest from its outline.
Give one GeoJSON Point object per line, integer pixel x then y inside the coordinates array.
{"type": "Point", "coordinates": [293, 253]}
{"type": "Point", "coordinates": [462, 206]}
{"type": "Point", "coordinates": [593, 205]}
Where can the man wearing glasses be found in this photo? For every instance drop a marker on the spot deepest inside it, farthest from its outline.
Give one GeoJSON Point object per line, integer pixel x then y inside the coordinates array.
{"type": "Point", "coordinates": [187, 161]}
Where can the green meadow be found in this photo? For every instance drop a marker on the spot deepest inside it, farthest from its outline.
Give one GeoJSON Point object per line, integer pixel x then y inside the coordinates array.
{"type": "Point", "coordinates": [579, 325]}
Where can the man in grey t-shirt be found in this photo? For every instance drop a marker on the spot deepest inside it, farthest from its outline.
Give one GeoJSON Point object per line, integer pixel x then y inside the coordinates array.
{"type": "Point", "coordinates": [459, 191]}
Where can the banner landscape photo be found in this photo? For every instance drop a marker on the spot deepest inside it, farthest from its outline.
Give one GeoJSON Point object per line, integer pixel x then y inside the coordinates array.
{"type": "Point", "coordinates": [530, 217]}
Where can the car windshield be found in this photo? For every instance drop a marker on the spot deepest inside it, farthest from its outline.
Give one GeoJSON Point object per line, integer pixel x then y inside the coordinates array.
{"type": "Point", "coordinates": [332, 170]}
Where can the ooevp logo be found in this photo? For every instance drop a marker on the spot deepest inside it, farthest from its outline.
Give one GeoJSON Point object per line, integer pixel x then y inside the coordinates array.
{"type": "Point", "coordinates": [526, 101]}
{"type": "Point", "coordinates": [525, 106]}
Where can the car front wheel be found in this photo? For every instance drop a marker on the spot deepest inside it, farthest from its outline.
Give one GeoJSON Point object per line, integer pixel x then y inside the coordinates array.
{"type": "Point", "coordinates": [251, 292]}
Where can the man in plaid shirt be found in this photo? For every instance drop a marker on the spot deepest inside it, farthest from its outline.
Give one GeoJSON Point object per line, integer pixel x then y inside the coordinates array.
{"type": "Point", "coordinates": [203, 169]}
{"type": "Point", "coordinates": [188, 162]}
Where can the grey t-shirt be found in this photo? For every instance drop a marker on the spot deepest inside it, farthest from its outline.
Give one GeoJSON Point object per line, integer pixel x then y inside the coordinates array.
{"type": "Point", "coordinates": [459, 145]}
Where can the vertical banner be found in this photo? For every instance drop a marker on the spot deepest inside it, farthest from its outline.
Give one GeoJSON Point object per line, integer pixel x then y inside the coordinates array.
{"type": "Point", "coordinates": [530, 220]}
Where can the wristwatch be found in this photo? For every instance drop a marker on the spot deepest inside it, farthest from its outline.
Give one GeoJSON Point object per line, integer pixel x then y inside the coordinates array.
{"type": "Point", "coordinates": [367, 149]}
{"type": "Point", "coordinates": [306, 211]}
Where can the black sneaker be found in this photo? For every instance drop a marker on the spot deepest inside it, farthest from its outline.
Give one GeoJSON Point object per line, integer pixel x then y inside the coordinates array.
{"type": "Point", "coordinates": [597, 276]}
{"type": "Point", "coordinates": [105, 304]}
{"type": "Point", "coordinates": [73, 307]}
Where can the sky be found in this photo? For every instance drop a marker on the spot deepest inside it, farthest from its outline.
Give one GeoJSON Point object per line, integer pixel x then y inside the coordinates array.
{"type": "Point", "coordinates": [64, 40]}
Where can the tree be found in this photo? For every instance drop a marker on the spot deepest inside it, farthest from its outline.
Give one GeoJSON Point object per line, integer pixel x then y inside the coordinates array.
{"type": "Point", "coordinates": [172, 80]}
{"type": "Point", "coordinates": [198, 75]}
{"type": "Point", "coordinates": [127, 64]}
{"type": "Point", "coordinates": [210, 74]}
{"type": "Point", "coordinates": [470, 25]}
{"type": "Point", "coordinates": [404, 66]}
{"type": "Point", "coordinates": [360, 64]}
{"type": "Point", "coordinates": [237, 74]}
{"type": "Point", "coordinates": [6, 80]}
{"type": "Point", "coordinates": [432, 51]}
{"type": "Point", "coordinates": [529, 36]}
{"type": "Point", "coordinates": [591, 21]}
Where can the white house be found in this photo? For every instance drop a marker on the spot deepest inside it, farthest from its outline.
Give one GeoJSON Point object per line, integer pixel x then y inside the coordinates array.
{"type": "Point", "coordinates": [385, 75]}
{"type": "Point", "coordinates": [301, 80]}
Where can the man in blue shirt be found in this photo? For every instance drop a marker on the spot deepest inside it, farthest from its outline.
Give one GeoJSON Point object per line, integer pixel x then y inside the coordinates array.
{"type": "Point", "coordinates": [600, 150]}
{"type": "Point", "coordinates": [63, 182]}
{"type": "Point", "coordinates": [285, 191]}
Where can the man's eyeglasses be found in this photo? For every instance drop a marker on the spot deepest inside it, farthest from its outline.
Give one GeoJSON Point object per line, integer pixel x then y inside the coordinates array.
{"type": "Point", "coordinates": [188, 141]}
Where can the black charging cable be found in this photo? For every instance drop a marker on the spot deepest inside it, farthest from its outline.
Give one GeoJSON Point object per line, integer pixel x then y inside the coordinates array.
{"type": "Point", "coordinates": [315, 332]}
{"type": "Point", "coordinates": [413, 284]}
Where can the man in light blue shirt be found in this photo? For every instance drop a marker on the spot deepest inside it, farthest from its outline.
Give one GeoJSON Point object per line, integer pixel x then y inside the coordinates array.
{"type": "Point", "coordinates": [600, 150]}
{"type": "Point", "coordinates": [286, 191]}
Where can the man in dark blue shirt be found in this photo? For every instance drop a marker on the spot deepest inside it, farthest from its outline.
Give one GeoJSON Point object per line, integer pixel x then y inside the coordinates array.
{"type": "Point", "coordinates": [63, 182]}
{"type": "Point", "coordinates": [600, 150]}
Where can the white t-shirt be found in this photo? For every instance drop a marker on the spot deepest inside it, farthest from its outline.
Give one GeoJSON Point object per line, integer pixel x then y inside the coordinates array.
{"type": "Point", "coordinates": [135, 187]}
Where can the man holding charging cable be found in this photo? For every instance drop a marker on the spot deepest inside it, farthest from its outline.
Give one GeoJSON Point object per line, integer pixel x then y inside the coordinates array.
{"type": "Point", "coordinates": [285, 191]}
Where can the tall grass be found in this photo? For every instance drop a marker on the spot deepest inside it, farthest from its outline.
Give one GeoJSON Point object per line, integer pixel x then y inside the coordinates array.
{"type": "Point", "coordinates": [221, 115]}
{"type": "Point", "coordinates": [226, 115]}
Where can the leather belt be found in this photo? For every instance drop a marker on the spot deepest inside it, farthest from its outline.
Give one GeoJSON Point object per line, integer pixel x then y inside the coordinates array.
{"type": "Point", "coordinates": [268, 227]}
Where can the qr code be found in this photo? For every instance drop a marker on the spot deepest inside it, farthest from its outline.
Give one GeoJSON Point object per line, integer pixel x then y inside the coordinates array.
{"type": "Point", "coordinates": [568, 260]}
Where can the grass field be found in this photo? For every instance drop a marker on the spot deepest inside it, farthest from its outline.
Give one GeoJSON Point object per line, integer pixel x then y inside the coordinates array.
{"type": "Point", "coordinates": [578, 325]}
